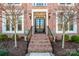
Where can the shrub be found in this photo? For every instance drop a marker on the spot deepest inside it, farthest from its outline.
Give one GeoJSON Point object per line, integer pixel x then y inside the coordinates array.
{"type": "Point", "coordinates": [72, 54]}
{"type": "Point", "coordinates": [75, 54]}
{"type": "Point", "coordinates": [3, 37]}
{"type": "Point", "coordinates": [4, 53]}
{"type": "Point", "coordinates": [66, 37]}
{"type": "Point", "coordinates": [75, 38]}
{"type": "Point", "coordinates": [13, 37]}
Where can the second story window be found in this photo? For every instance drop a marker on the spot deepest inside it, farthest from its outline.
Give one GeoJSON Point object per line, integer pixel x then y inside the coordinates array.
{"type": "Point", "coordinates": [67, 4]}
{"type": "Point", "coordinates": [39, 4]}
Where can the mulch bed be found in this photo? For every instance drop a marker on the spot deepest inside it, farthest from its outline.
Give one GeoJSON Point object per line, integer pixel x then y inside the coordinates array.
{"type": "Point", "coordinates": [21, 48]}
{"type": "Point", "coordinates": [9, 46]}
{"type": "Point", "coordinates": [69, 47]}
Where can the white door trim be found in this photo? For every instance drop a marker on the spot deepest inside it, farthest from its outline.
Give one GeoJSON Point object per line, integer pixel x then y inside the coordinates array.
{"type": "Point", "coordinates": [39, 10]}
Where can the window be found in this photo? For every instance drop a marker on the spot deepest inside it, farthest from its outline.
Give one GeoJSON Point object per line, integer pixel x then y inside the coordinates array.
{"type": "Point", "coordinates": [69, 26]}
{"type": "Point", "coordinates": [8, 25]}
{"type": "Point", "coordinates": [60, 24]}
{"type": "Point", "coordinates": [12, 23]}
{"type": "Point", "coordinates": [39, 4]}
{"type": "Point", "coordinates": [20, 23]}
{"type": "Point", "coordinates": [66, 4]}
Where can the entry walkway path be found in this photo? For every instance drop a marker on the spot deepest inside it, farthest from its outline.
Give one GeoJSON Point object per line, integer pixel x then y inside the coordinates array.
{"type": "Point", "coordinates": [39, 43]}
{"type": "Point", "coordinates": [40, 54]}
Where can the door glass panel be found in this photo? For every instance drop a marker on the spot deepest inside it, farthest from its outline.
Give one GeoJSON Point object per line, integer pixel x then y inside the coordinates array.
{"type": "Point", "coordinates": [42, 24]}
{"type": "Point", "coordinates": [39, 23]}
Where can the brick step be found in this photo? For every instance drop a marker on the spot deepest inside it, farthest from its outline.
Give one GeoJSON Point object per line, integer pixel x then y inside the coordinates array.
{"type": "Point", "coordinates": [39, 50]}
{"type": "Point", "coordinates": [39, 40]}
{"type": "Point", "coordinates": [42, 48]}
{"type": "Point", "coordinates": [39, 37]}
{"type": "Point", "coordinates": [39, 43]}
{"type": "Point", "coordinates": [38, 46]}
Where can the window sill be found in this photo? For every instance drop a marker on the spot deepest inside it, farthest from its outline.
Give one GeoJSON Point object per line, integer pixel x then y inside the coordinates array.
{"type": "Point", "coordinates": [66, 32]}
{"type": "Point", "coordinates": [13, 32]}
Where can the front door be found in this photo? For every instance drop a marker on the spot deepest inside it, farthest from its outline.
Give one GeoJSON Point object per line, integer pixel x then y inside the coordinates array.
{"type": "Point", "coordinates": [39, 25]}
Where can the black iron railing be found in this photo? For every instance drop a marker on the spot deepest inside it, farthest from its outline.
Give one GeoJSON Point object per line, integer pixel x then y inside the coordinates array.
{"type": "Point", "coordinates": [51, 38]}
{"type": "Point", "coordinates": [28, 39]}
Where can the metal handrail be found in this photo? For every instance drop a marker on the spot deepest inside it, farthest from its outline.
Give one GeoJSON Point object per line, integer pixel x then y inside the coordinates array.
{"type": "Point", "coordinates": [28, 39]}
{"type": "Point", "coordinates": [51, 37]}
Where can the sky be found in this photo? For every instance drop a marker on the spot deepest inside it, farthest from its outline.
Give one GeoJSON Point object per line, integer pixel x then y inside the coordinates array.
{"type": "Point", "coordinates": [39, 1]}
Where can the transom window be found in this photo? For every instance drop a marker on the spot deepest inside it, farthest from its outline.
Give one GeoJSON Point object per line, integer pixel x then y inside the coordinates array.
{"type": "Point", "coordinates": [39, 4]}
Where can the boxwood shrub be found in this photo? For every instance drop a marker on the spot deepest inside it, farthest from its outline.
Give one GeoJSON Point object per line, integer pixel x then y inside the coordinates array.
{"type": "Point", "coordinates": [4, 52]}
{"type": "Point", "coordinates": [75, 54]}
{"type": "Point", "coordinates": [3, 37]}
{"type": "Point", "coordinates": [17, 37]}
{"type": "Point", "coordinates": [72, 54]}
{"type": "Point", "coordinates": [66, 37]}
{"type": "Point", "coordinates": [75, 38]}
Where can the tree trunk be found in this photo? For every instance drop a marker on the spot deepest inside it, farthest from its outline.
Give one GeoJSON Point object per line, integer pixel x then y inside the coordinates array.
{"type": "Point", "coordinates": [54, 39]}
{"type": "Point", "coordinates": [15, 31]}
{"type": "Point", "coordinates": [63, 39]}
{"type": "Point", "coordinates": [15, 39]}
{"type": "Point", "coordinates": [25, 38]}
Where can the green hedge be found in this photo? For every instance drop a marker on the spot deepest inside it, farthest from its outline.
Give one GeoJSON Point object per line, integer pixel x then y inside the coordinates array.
{"type": "Point", "coordinates": [13, 37]}
{"type": "Point", "coordinates": [75, 38]}
{"type": "Point", "coordinates": [72, 54]}
{"type": "Point", "coordinates": [75, 54]}
{"type": "Point", "coordinates": [3, 37]}
{"type": "Point", "coordinates": [66, 37]}
{"type": "Point", "coordinates": [4, 53]}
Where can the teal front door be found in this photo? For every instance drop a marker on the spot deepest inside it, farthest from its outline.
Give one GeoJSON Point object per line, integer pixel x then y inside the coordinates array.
{"type": "Point", "coordinates": [39, 25]}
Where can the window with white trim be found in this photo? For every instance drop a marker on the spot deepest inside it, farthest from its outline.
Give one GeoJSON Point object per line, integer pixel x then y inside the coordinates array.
{"type": "Point", "coordinates": [70, 27]}
{"type": "Point", "coordinates": [8, 25]}
{"type": "Point", "coordinates": [19, 24]}
{"type": "Point", "coordinates": [66, 4]}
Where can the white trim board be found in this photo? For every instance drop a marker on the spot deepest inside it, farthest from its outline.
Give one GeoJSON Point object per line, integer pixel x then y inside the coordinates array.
{"type": "Point", "coordinates": [4, 26]}
{"type": "Point", "coordinates": [75, 25]}
{"type": "Point", "coordinates": [40, 10]}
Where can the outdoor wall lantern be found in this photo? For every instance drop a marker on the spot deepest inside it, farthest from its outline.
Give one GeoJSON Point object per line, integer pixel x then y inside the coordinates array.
{"type": "Point", "coordinates": [30, 16]}
{"type": "Point", "coordinates": [49, 15]}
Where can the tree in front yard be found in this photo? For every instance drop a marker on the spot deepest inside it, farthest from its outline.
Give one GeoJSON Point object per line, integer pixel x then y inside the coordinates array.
{"type": "Point", "coordinates": [12, 11]}
{"type": "Point", "coordinates": [66, 19]}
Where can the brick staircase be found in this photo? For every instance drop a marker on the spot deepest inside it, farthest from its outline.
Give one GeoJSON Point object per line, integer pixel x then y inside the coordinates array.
{"type": "Point", "coordinates": [39, 43]}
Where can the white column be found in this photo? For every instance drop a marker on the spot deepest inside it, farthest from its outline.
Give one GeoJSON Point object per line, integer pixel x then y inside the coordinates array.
{"type": "Point", "coordinates": [47, 22]}
{"type": "Point", "coordinates": [32, 24]}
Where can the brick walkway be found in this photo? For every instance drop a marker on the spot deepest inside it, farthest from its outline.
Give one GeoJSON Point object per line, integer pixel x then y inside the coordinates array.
{"type": "Point", "coordinates": [39, 43]}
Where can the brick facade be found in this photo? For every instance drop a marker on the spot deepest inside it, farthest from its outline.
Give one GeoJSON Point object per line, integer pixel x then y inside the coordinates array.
{"type": "Point", "coordinates": [51, 7]}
